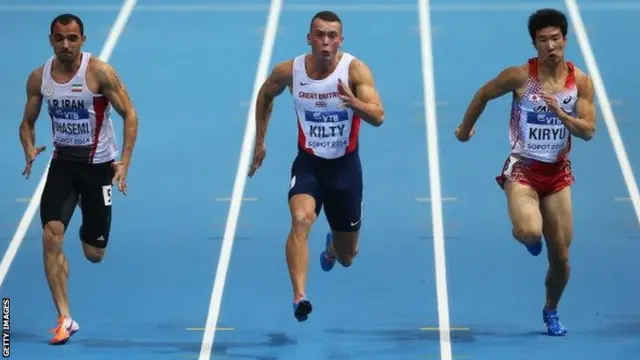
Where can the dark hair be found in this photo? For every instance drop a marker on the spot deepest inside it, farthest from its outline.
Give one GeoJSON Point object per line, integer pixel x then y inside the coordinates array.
{"type": "Point", "coordinates": [326, 16]}
{"type": "Point", "coordinates": [545, 18]}
{"type": "Point", "coordinates": [66, 19]}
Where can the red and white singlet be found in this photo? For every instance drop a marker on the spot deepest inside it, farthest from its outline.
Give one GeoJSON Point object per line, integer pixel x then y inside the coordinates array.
{"type": "Point", "coordinates": [540, 143]}
{"type": "Point", "coordinates": [81, 122]}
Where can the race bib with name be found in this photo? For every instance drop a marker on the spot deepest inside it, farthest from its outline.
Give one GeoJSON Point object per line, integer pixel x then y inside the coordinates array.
{"type": "Point", "coordinates": [327, 129]}
{"type": "Point", "coordinates": [72, 127]}
{"type": "Point", "coordinates": [544, 132]}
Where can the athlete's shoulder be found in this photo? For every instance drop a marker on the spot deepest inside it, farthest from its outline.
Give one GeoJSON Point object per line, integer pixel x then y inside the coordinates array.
{"type": "Point", "coordinates": [282, 72]}
{"type": "Point", "coordinates": [103, 72]}
{"type": "Point", "coordinates": [510, 77]}
{"type": "Point", "coordinates": [518, 72]}
{"type": "Point", "coordinates": [34, 79]}
{"type": "Point", "coordinates": [98, 65]}
{"type": "Point", "coordinates": [94, 60]}
{"type": "Point", "coordinates": [359, 70]}
{"type": "Point", "coordinates": [357, 64]}
{"type": "Point", "coordinates": [572, 64]}
{"type": "Point", "coordinates": [584, 83]}
{"type": "Point", "coordinates": [284, 67]}
{"type": "Point", "coordinates": [36, 72]}
{"type": "Point", "coordinates": [579, 74]}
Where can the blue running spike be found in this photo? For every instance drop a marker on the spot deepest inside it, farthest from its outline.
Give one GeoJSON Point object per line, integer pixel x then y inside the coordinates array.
{"type": "Point", "coordinates": [535, 249]}
{"type": "Point", "coordinates": [553, 324]}
{"type": "Point", "coordinates": [327, 261]}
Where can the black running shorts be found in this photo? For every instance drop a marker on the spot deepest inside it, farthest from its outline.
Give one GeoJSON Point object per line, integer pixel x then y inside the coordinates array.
{"type": "Point", "coordinates": [335, 184]}
{"type": "Point", "coordinates": [67, 181]}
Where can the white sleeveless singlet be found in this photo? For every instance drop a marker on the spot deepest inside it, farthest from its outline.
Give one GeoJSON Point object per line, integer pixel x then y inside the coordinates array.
{"type": "Point", "coordinates": [82, 127]}
{"type": "Point", "coordinates": [535, 132]}
{"type": "Point", "coordinates": [324, 129]}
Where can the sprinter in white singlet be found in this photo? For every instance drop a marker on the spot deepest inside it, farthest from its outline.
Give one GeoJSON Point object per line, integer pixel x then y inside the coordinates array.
{"type": "Point", "coordinates": [78, 90]}
{"type": "Point", "coordinates": [332, 92]}
{"type": "Point", "coordinates": [552, 101]}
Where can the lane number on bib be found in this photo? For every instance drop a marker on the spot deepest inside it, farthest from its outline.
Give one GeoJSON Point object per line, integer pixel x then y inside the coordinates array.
{"type": "Point", "coordinates": [106, 194]}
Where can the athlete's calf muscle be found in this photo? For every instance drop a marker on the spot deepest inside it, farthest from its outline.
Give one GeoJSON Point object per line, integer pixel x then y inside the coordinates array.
{"type": "Point", "coordinates": [345, 245]}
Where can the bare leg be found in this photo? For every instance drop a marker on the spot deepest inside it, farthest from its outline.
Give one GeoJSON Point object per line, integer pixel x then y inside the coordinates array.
{"type": "Point", "coordinates": [524, 212]}
{"type": "Point", "coordinates": [56, 268]}
{"type": "Point", "coordinates": [57, 272]}
{"type": "Point", "coordinates": [92, 253]}
{"type": "Point", "coordinates": [303, 215]}
{"type": "Point", "coordinates": [59, 199]}
{"type": "Point", "coordinates": [344, 246]}
{"type": "Point", "coordinates": [558, 232]}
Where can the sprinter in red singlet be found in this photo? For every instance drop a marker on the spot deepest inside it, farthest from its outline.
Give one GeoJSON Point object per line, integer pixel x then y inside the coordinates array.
{"type": "Point", "coordinates": [79, 90]}
{"type": "Point", "coordinates": [332, 92]}
{"type": "Point", "coordinates": [552, 101]}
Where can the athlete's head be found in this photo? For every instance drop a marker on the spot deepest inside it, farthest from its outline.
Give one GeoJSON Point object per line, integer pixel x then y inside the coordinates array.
{"type": "Point", "coordinates": [548, 31]}
{"type": "Point", "coordinates": [67, 37]}
{"type": "Point", "coordinates": [325, 35]}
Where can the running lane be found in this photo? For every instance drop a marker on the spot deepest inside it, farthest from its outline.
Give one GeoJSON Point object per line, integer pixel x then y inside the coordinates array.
{"type": "Point", "coordinates": [496, 287]}
{"type": "Point", "coordinates": [156, 278]}
{"type": "Point", "coordinates": [375, 308]}
{"type": "Point", "coordinates": [29, 48]}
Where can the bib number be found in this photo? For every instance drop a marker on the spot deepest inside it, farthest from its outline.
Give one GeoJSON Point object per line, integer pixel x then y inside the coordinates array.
{"type": "Point", "coordinates": [327, 129]}
{"type": "Point", "coordinates": [106, 195]}
{"type": "Point", "coordinates": [545, 132]}
{"type": "Point", "coordinates": [72, 127]}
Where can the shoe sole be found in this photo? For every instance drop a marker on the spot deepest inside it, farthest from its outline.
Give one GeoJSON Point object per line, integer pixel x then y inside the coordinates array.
{"type": "Point", "coordinates": [303, 310]}
{"type": "Point", "coordinates": [62, 342]}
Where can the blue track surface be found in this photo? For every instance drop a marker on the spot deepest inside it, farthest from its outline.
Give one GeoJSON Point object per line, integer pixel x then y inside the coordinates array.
{"type": "Point", "coordinates": [191, 79]}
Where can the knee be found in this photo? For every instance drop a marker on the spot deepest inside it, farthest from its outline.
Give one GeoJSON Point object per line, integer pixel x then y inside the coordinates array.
{"type": "Point", "coordinates": [92, 253]}
{"type": "Point", "coordinates": [345, 246]}
{"type": "Point", "coordinates": [302, 221]}
{"type": "Point", "coordinates": [559, 257]}
{"type": "Point", "coordinates": [346, 259]}
{"type": "Point", "coordinates": [93, 247]}
{"type": "Point", "coordinates": [53, 236]}
{"type": "Point", "coordinates": [345, 262]}
{"type": "Point", "coordinates": [527, 233]}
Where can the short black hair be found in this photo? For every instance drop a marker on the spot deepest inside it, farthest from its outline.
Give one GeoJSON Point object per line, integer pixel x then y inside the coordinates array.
{"type": "Point", "coordinates": [66, 19]}
{"type": "Point", "coordinates": [326, 16]}
{"type": "Point", "coordinates": [545, 18]}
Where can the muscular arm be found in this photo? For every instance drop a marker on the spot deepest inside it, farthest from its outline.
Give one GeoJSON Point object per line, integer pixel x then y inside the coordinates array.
{"type": "Point", "coordinates": [369, 108]}
{"type": "Point", "coordinates": [584, 125]}
{"type": "Point", "coordinates": [117, 95]}
{"type": "Point", "coordinates": [507, 81]}
{"type": "Point", "coordinates": [273, 86]}
{"type": "Point", "coordinates": [31, 111]}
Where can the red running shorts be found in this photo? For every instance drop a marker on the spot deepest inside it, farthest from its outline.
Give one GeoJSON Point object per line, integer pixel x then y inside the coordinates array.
{"type": "Point", "coordinates": [544, 178]}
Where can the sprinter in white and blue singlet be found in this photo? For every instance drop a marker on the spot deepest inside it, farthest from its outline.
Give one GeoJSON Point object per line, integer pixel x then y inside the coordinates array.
{"type": "Point", "coordinates": [79, 90]}
{"type": "Point", "coordinates": [552, 100]}
{"type": "Point", "coordinates": [333, 92]}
